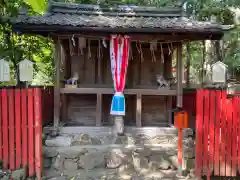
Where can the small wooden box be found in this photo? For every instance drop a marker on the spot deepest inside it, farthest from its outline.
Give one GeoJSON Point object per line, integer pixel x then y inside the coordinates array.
{"type": "Point", "coordinates": [181, 119]}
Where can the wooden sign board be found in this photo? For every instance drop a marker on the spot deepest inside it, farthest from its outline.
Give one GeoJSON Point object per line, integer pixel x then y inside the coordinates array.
{"type": "Point", "coordinates": [4, 71]}
{"type": "Point", "coordinates": [25, 70]}
{"type": "Point", "coordinates": [219, 72]}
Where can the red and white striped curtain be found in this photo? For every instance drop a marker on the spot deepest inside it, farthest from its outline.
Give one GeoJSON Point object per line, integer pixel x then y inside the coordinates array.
{"type": "Point", "coordinates": [119, 54]}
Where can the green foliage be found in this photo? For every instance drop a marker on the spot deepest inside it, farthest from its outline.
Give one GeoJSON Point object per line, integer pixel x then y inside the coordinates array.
{"type": "Point", "coordinates": [38, 6]}
{"type": "Point", "coordinates": [15, 48]}
{"type": "Point", "coordinates": [232, 50]}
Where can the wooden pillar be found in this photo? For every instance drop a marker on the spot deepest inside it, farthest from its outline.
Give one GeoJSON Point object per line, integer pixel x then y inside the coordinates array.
{"type": "Point", "coordinates": [188, 64]}
{"type": "Point", "coordinates": [139, 110]}
{"type": "Point", "coordinates": [169, 110]}
{"type": "Point", "coordinates": [179, 76]}
{"type": "Point", "coordinates": [180, 99]}
{"type": "Point", "coordinates": [64, 97]}
{"type": "Point", "coordinates": [99, 110]}
{"type": "Point", "coordinates": [57, 84]}
{"type": "Point", "coordinates": [168, 75]}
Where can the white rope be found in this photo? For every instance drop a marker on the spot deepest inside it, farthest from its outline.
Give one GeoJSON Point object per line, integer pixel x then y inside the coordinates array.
{"type": "Point", "coordinates": [104, 39]}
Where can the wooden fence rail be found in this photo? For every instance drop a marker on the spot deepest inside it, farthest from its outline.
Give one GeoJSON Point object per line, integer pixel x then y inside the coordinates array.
{"type": "Point", "coordinates": [217, 133]}
{"type": "Point", "coordinates": [21, 129]}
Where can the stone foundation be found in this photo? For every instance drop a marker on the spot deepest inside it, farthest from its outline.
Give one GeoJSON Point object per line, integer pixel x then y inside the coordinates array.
{"type": "Point", "coordinates": [104, 156]}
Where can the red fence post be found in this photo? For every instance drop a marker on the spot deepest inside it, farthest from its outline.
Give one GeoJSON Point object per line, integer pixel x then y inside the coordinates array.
{"type": "Point", "coordinates": [11, 128]}
{"type": "Point", "coordinates": [234, 137]}
{"type": "Point", "coordinates": [38, 131]}
{"type": "Point", "coordinates": [1, 127]}
{"type": "Point", "coordinates": [206, 132]}
{"type": "Point", "coordinates": [217, 133]}
{"type": "Point", "coordinates": [199, 132]}
{"type": "Point", "coordinates": [18, 128]}
{"type": "Point", "coordinates": [212, 129]}
{"type": "Point", "coordinates": [223, 135]}
{"type": "Point", "coordinates": [238, 132]}
{"type": "Point", "coordinates": [30, 133]}
{"type": "Point", "coordinates": [5, 128]}
{"type": "Point", "coordinates": [229, 123]}
{"type": "Point", "coordinates": [24, 127]}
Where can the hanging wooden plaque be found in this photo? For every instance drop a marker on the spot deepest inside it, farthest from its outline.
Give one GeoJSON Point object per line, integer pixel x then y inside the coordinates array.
{"type": "Point", "coordinates": [219, 72]}
{"type": "Point", "coordinates": [4, 71]}
{"type": "Point", "coordinates": [25, 70]}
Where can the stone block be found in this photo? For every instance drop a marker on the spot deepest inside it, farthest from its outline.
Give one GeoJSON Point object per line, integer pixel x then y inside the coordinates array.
{"type": "Point", "coordinates": [47, 162]}
{"type": "Point", "coordinates": [143, 152]}
{"type": "Point", "coordinates": [6, 177]}
{"type": "Point", "coordinates": [190, 164]}
{"type": "Point", "coordinates": [72, 153]}
{"type": "Point", "coordinates": [126, 140]}
{"type": "Point", "coordinates": [3, 173]}
{"type": "Point", "coordinates": [127, 169]}
{"type": "Point", "coordinates": [59, 141]}
{"type": "Point", "coordinates": [19, 174]}
{"type": "Point", "coordinates": [70, 165]}
{"type": "Point", "coordinates": [58, 162]}
{"type": "Point", "coordinates": [59, 178]}
{"type": "Point", "coordinates": [116, 157]}
{"type": "Point", "coordinates": [96, 141]}
{"type": "Point", "coordinates": [92, 160]}
{"type": "Point", "coordinates": [85, 139]}
{"type": "Point", "coordinates": [159, 162]}
{"type": "Point", "coordinates": [140, 163]}
{"type": "Point", "coordinates": [141, 138]}
{"type": "Point", "coordinates": [189, 142]}
{"type": "Point", "coordinates": [157, 140]}
{"type": "Point", "coordinates": [49, 152]}
{"type": "Point", "coordinates": [174, 161]}
{"type": "Point", "coordinates": [189, 153]}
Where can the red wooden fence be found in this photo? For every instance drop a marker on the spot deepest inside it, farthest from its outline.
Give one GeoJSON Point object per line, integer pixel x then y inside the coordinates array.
{"type": "Point", "coordinates": [21, 129]}
{"type": "Point", "coordinates": [217, 133]}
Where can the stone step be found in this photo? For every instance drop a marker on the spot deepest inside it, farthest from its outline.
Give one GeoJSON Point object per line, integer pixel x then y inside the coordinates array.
{"type": "Point", "coordinates": [126, 141]}
{"type": "Point", "coordinates": [102, 137]}
{"type": "Point", "coordinates": [115, 157]}
{"type": "Point", "coordinates": [104, 131]}
{"type": "Point", "coordinates": [168, 148]}
{"type": "Point", "coordinates": [141, 153]}
{"type": "Point", "coordinates": [77, 151]}
{"type": "Point", "coordinates": [103, 174]}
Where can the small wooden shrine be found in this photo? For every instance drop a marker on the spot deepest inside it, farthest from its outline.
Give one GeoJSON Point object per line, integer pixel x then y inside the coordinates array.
{"type": "Point", "coordinates": [84, 84]}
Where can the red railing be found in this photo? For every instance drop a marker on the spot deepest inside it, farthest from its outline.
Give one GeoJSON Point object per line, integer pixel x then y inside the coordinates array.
{"type": "Point", "coordinates": [21, 129]}
{"type": "Point", "coordinates": [217, 133]}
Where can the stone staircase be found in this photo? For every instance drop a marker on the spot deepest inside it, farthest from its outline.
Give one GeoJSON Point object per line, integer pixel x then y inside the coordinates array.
{"type": "Point", "coordinates": [95, 153]}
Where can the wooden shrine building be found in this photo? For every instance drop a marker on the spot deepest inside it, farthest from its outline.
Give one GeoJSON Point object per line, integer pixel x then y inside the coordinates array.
{"type": "Point", "coordinates": [81, 35]}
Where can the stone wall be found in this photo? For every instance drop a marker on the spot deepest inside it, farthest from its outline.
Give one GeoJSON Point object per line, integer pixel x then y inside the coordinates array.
{"type": "Point", "coordinates": [139, 156]}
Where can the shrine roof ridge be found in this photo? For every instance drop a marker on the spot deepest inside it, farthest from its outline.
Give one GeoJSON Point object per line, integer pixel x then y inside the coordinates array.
{"type": "Point", "coordinates": [117, 10]}
{"type": "Point", "coordinates": [67, 17]}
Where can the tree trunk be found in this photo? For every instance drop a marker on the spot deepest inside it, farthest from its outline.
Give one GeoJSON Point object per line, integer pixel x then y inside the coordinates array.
{"type": "Point", "coordinates": [203, 62]}
{"type": "Point", "coordinates": [217, 52]}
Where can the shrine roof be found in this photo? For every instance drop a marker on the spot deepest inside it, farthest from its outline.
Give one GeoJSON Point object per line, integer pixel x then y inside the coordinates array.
{"type": "Point", "coordinates": [124, 18]}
